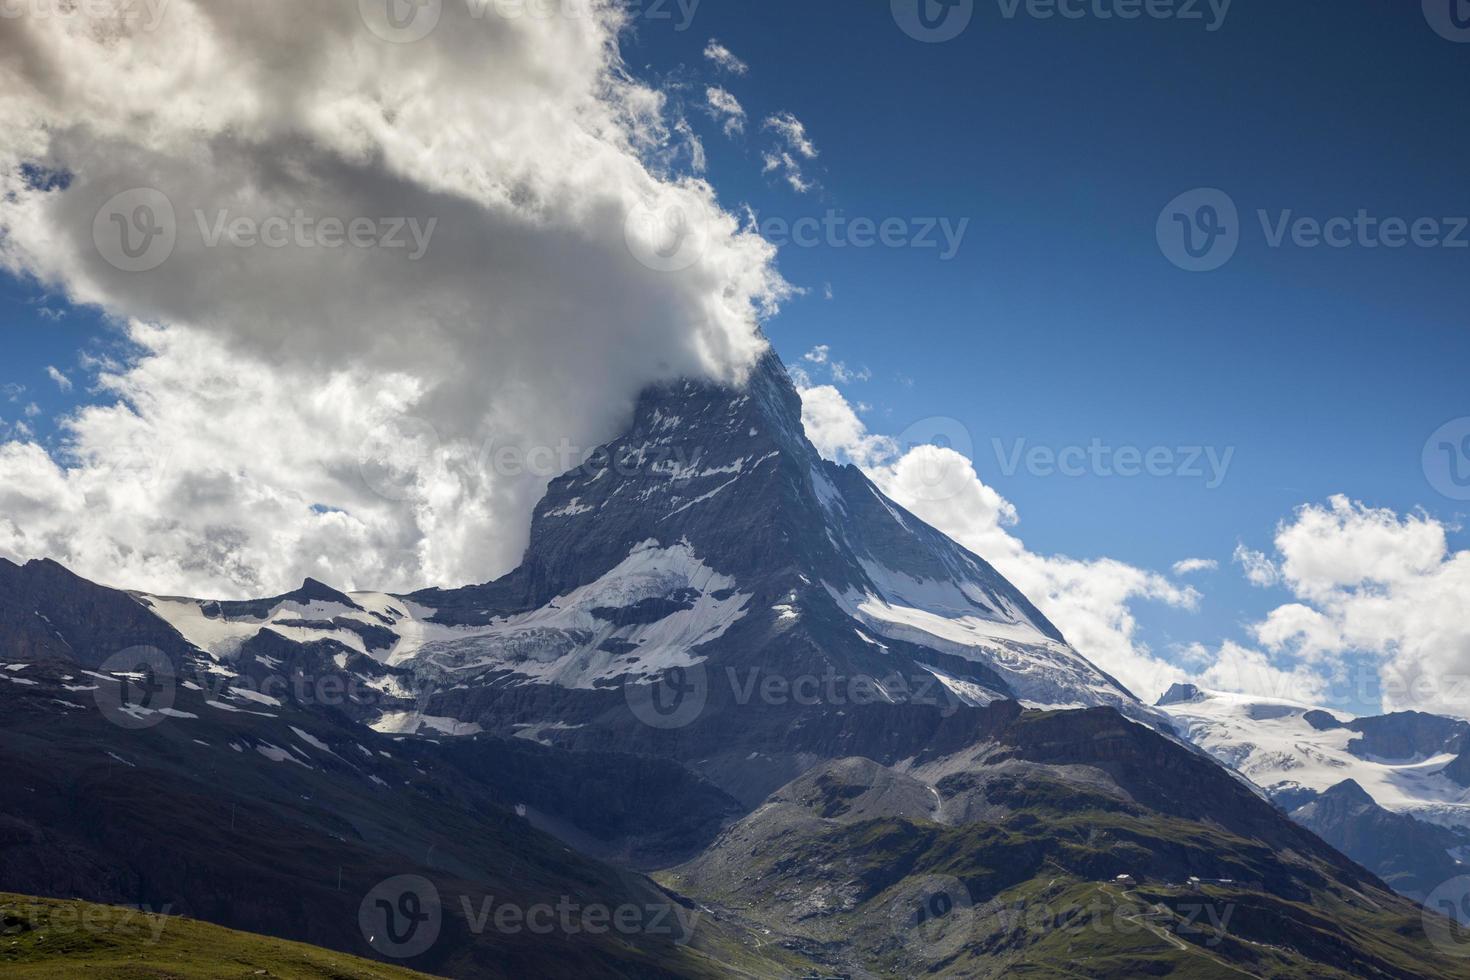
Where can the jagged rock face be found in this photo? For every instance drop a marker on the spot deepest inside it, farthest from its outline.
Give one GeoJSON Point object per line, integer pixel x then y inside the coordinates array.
{"type": "Point", "coordinates": [47, 612]}
{"type": "Point", "coordinates": [1407, 735]}
{"type": "Point", "coordinates": [712, 534]}
{"type": "Point", "coordinates": [1412, 856]}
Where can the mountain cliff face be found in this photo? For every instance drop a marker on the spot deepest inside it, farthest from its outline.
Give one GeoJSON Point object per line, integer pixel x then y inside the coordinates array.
{"type": "Point", "coordinates": [709, 549]}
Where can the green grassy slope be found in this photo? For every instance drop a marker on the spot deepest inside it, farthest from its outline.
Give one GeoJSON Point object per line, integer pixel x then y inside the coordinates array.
{"type": "Point", "coordinates": [46, 938]}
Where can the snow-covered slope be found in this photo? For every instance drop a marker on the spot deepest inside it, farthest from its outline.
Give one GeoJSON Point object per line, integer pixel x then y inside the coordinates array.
{"type": "Point", "coordinates": [1287, 748]}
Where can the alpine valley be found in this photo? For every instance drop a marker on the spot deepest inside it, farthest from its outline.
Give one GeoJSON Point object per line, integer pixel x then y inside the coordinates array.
{"type": "Point", "coordinates": [736, 714]}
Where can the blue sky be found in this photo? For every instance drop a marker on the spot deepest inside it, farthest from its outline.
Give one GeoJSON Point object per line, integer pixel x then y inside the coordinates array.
{"type": "Point", "coordinates": [1059, 320]}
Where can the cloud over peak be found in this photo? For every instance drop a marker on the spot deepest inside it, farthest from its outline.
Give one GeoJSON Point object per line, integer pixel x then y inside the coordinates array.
{"type": "Point", "coordinates": [352, 233]}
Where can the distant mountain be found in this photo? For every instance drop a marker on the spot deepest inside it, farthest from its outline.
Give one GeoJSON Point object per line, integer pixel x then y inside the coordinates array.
{"type": "Point", "coordinates": [1414, 857]}
{"type": "Point", "coordinates": [1384, 790]}
{"type": "Point", "coordinates": [1293, 751]}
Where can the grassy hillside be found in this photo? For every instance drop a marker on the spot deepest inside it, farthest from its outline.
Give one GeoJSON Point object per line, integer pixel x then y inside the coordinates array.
{"type": "Point", "coordinates": [46, 938]}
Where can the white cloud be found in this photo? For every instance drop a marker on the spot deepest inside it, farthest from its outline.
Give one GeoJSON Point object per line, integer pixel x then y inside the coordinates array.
{"type": "Point", "coordinates": [1246, 671]}
{"type": "Point", "coordinates": [1188, 566]}
{"type": "Point", "coordinates": [62, 381]}
{"type": "Point", "coordinates": [1089, 600]}
{"type": "Point", "coordinates": [793, 133]}
{"type": "Point", "coordinates": [818, 354]}
{"type": "Point", "coordinates": [32, 410]}
{"type": "Point", "coordinates": [1372, 582]}
{"type": "Point", "coordinates": [529, 320]}
{"type": "Point", "coordinates": [724, 58]}
{"type": "Point", "coordinates": [1259, 570]}
{"type": "Point", "coordinates": [793, 146]}
{"type": "Point", "coordinates": [726, 109]}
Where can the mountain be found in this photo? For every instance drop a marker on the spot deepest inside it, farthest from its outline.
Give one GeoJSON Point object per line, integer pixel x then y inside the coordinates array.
{"type": "Point", "coordinates": [1414, 857]}
{"type": "Point", "coordinates": [1294, 751]}
{"type": "Point", "coordinates": [709, 546]}
{"type": "Point", "coordinates": [732, 689]}
{"type": "Point", "coordinates": [254, 801]}
{"type": "Point", "coordinates": [1071, 843]}
{"type": "Point", "coordinates": [1384, 790]}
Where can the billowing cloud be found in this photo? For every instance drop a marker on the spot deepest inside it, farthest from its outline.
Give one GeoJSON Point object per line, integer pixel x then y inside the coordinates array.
{"type": "Point", "coordinates": [342, 248]}
{"type": "Point", "coordinates": [1370, 582]}
{"type": "Point", "coordinates": [1089, 600]}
